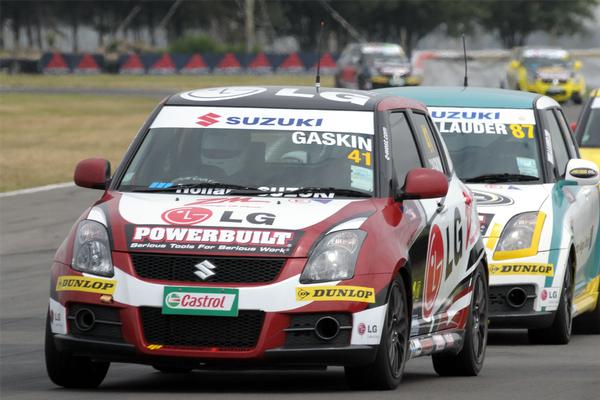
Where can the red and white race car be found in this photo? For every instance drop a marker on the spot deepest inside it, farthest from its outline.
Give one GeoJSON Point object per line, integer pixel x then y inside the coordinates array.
{"type": "Point", "coordinates": [262, 226]}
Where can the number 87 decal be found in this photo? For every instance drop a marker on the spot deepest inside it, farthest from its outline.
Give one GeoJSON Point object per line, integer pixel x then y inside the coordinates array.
{"type": "Point", "coordinates": [521, 130]}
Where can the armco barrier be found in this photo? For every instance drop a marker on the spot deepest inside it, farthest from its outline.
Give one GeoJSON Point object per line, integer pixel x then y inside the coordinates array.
{"type": "Point", "coordinates": [205, 63]}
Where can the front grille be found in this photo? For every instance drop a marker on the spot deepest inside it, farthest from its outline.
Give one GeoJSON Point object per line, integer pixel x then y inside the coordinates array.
{"type": "Point", "coordinates": [234, 333]}
{"type": "Point", "coordinates": [499, 305]}
{"type": "Point", "coordinates": [228, 269]}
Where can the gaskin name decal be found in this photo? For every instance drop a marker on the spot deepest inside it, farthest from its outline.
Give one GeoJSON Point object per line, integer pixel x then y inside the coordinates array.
{"type": "Point", "coordinates": [211, 239]}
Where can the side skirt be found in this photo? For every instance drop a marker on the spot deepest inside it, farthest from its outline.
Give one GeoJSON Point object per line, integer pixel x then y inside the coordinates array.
{"type": "Point", "coordinates": [450, 341]}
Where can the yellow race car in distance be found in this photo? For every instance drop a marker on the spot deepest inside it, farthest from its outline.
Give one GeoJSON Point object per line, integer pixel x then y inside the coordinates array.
{"type": "Point", "coordinates": [588, 128]}
{"type": "Point", "coordinates": [547, 71]}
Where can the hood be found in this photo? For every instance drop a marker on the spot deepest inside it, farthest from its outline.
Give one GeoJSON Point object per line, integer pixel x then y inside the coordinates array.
{"type": "Point", "coordinates": [172, 223]}
{"type": "Point", "coordinates": [551, 73]}
{"type": "Point", "coordinates": [497, 204]}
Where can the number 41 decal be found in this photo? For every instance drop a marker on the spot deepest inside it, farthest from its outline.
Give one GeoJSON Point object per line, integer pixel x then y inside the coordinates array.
{"type": "Point", "coordinates": [359, 157]}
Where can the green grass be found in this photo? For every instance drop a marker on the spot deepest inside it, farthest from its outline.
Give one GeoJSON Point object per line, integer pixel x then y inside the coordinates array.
{"type": "Point", "coordinates": [43, 136]}
{"type": "Point", "coordinates": [167, 82]}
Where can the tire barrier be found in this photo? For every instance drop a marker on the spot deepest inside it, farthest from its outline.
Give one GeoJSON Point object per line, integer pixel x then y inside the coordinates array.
{"type": "Point", "coordinates": [192, 64]}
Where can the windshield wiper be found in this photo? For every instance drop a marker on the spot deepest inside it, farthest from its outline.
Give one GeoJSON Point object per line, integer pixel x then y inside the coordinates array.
{"type": "Point", "coordinates": [340, 191]}
{"type": "Point", "coordinates": [493, 178]}
{"type": "Point", "coordinates": [211, 185]}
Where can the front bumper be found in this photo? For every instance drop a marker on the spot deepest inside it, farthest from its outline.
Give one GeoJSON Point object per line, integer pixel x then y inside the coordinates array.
{"type": "Point", "coordinates": [270, 328]}
{"type": "Point", "coordinates": [534, 320]}
{"type": "Point", "coordinates": [560, 91]}
{"type": "Point", "coordinates": [124, 352]}
{"type": "Point", "coordinates": [384, 81]}
{"type": "Point", "coordinates": [525, 292]}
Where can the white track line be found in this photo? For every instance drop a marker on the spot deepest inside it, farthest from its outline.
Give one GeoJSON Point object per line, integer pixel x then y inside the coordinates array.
{"type": "Point", "coordinates": [37, 189]}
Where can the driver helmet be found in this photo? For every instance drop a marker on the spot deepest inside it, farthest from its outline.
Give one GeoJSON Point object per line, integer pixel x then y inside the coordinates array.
{"type": "Point", "coordinates": [225, 150]}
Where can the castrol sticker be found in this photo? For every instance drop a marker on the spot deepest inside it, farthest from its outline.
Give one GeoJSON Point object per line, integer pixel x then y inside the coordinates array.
{"type": "Point", "coordinates": [200, 301]}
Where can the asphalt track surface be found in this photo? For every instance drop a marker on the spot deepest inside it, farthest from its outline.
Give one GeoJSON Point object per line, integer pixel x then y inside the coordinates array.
{"type": "Point", "coordinates": [34, 224]}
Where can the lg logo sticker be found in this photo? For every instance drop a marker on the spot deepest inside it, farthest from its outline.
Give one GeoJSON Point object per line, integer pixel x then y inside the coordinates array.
{"type": "Point", "coordinates": [186, 215]}
{"type": "Point", "coordinates": [434, 270]}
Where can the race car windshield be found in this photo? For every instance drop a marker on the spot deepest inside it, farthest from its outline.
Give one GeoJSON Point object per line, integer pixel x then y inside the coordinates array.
{"type": "Point", "coordinates": [542, 62]}
{"type": "Point", "coordinates": [197, 150]}
{"type": "Point", "coordinates": [491, 145]}
{"type": "Point", "coordinates": [591, 135]}
{"type": "Point", "coordinates": [381, 58]}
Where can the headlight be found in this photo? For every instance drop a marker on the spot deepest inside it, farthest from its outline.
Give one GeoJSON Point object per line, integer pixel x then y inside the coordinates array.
{"type": "Point", "coordinates": [91, 252]}
{"type": "Point", "coordinates": [521, 236]}
{"type": "Point", "coordinates": [334, 258]}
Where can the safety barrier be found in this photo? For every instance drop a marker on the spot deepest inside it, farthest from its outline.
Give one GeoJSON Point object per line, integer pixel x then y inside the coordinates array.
{"type": "Point", "coordinates": [206, 63]}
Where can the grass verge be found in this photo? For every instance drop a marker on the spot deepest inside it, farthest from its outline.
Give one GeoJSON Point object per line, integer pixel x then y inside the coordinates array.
{"type": "Point", "coordinates": [43, 136]}
{"type": "Point", "coordinates": [167, 82]}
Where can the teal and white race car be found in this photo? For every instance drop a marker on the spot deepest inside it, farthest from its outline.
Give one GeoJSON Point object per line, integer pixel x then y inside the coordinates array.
{"type": "Point", "coordinates": [538, 205]}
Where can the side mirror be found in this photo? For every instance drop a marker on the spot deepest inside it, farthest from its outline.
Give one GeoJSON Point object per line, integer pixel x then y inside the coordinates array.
{"type": "Point", "coordinates": [576, 65]}
{"type": "Point", "coordinates": [424, 183]}
{"type": "Point", "coordinates": [92, 173]}
{"type": "Point", "coordinates": [582, 172]}
{"type": "Point", "coordinates": [514, 64]}
{"type": "Point", "coordinates": [573, 127]}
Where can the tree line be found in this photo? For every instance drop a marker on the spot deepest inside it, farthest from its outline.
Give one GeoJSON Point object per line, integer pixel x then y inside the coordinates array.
{"type": "Point", "coordinates": [248, 24]}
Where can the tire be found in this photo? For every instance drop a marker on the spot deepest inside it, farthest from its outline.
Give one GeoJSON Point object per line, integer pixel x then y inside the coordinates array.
{"type": "Point", "coordinates": [560, 330]}
{"type": "Point", "coordinates": [577, 98]}
{"type": "Point", "coordinates": [385, 373]}
{"type": "Point", "coordinates": [469, 361]}
{"type": "Point", "coordinates": [588, 323]}
{"type": "Point", "coordinates": [69, 371]}
{"type": "Point", "coordinates": [172, 370]}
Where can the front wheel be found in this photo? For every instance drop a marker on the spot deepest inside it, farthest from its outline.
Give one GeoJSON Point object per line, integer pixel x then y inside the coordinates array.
{"type": "Point", "coordinates": [470, 359]}
{"type": "Point", "coordinates": [70, 371]}
{"type": "Point", "coordinates": [560, 330]}
{"type": "Point", "coordinates": [386, 372]}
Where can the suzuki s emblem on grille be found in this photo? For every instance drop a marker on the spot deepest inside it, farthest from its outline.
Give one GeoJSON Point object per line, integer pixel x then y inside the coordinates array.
{"type": "Point", "coordinates": [205, 269]}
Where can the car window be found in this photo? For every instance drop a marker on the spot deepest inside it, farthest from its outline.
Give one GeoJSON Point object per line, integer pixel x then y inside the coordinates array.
{"type": "Point", "coordinates": [428, 144]}
{"type": "Point", "coordinates": [591, 135]}
{"type": "Point", "coordinates": [264, 148]}
{"type": "Point", "coordinates": [491, 144]}
{"type": "Point", "coordinates": [405, 155]}
{"type": "Point", "coordinates": [567, 134]}
{"type": "Point", "coordinates": [553, 134]}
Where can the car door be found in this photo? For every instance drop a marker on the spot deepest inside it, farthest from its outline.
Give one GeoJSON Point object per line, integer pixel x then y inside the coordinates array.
{"type": "Point", "coordinates": [582, 210]}
{"type": "Point", "coordinates": [446, 252]}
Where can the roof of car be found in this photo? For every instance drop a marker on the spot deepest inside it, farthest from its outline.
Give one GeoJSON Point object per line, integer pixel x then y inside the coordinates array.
{"type": "Point", "coordinates": [466, 97]}
{"type": "Point", "coordinates": [295, 97]}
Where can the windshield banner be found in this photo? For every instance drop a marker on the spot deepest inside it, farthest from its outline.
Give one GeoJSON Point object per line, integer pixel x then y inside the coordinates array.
{"type": "Point", "coordinates": [492, 121]}
{"type": "Point", "coordinates": [265, 119]}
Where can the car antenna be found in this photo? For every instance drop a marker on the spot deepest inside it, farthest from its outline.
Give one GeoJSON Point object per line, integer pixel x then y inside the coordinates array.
{"type": "Point", "coordinates": [466, 82]}
{"type": "Point", "coordinates": [318, 77]}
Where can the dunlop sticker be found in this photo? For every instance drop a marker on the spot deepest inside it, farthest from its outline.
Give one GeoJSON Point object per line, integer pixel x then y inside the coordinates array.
{"type": "Point", "coordinates": [335, 293]}
{"type": "Point", "coordinates": [77, 283]}
{"type": "Point", "coordinates": [522, 269]}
